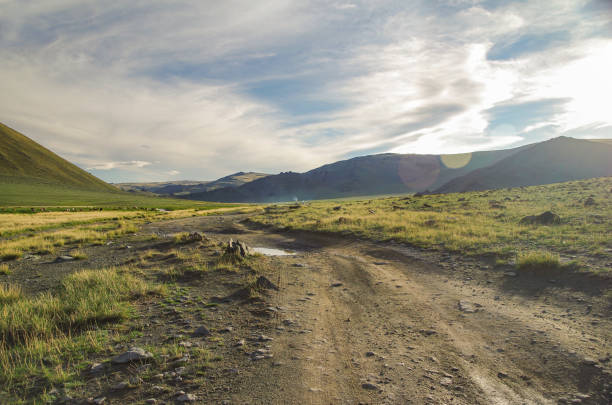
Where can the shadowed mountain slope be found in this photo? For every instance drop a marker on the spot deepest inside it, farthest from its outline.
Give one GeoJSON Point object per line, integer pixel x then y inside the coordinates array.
{"type": "Point", "coordinates": [366, 175]}
{"type": "Point", "coordinates": [553, 161]}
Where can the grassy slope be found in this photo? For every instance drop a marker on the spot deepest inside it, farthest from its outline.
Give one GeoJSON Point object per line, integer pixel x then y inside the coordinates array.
{"type": "Point", "coordinates": [33, 176]}
{"type": "Point", "coordinates": [22, 158]}
{"type": "Point", "coordinates": [553, 161]}
{"type": "Point", "coordinates": [32, 194]}
{"type": "Point", "coordinates": [471, 223]}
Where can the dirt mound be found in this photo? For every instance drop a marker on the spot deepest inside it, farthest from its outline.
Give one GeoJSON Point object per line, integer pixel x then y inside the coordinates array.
{"type": "Point", "coordinates": [545, 218]}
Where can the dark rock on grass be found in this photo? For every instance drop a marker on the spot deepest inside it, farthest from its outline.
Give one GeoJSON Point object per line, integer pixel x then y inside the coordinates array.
{"type": "Point", "coordinates": [337, 284]}
{"type": "Point", "coordinates": [66, 258]}
{"type": "Point", "coordinates": [263, 283]}
{"type": "Point", "coordinates": [369, 386]}
{"type": "Point", "coordinates": [201, 332]}
{"type": "Point", "coordinates": [545, 218]}
{"type": "Point", "coordinates": [196, 237]}
{"type": "Point", "coordinates": [134, 354]}
{"type": "Point", "coordinates": [589, 202]}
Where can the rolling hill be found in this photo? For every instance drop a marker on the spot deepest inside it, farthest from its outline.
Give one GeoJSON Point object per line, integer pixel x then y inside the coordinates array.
{"type": "Point", "coordinates": [366, 175]}
{"type": "Point", "coordinates": [31, 175]}
{"type": "Point", "coordinates": [553, 161]}
{"type": "Point", "coordinates": [185, 187]}
{"type": "Point", "coordinates": [556, 160]}
{"type": "Point", "coordinates": [24, 161]}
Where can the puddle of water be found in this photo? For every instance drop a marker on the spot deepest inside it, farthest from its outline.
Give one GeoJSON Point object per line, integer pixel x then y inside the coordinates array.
{"type": "Point", "coordinates": [272, 252]}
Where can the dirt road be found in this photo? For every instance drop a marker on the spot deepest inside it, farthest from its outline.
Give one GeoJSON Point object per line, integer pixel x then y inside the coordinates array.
{"type": "Point", "coordinates": [357, 322]}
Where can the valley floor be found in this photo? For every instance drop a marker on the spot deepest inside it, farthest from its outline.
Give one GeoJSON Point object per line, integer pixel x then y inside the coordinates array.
{"type": "Point", "coordinates": [353, 322]}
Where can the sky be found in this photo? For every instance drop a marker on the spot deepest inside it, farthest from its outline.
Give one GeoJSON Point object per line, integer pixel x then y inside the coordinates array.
{"type": "Point", "coordinates": [147, 90]}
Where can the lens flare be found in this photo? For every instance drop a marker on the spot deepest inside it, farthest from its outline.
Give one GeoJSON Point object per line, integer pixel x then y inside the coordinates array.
{"type": "Point", "coordinates": [456, 161]}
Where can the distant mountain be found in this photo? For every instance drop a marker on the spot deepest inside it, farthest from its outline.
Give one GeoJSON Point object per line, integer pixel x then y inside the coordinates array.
{"type": "Point", "coordinates": [553, 161]}
{"type": "Point", "coordinates": [185, 188]}
{"type": "Point", "coordinates": [164, 187]}
{"type": "Point", "coordinates": [367, 175]}
{"type": "Point", "coordinates": [23, 161]}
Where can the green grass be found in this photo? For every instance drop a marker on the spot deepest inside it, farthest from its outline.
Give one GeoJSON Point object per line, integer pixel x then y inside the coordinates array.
{"type": "Point", "coordinates": [4, 269]}
{"type": "Point", "coordinates": [474, 223]}
{"type": "Point", "coordinates": [25, 193]}
{"type": "Point", "coordinates": [538, 261]}
{"type": "Point", "coordinates": [43, 338]}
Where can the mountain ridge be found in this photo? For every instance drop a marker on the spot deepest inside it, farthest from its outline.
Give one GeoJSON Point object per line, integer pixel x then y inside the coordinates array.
{"type": "Point", "coordinates": [406, 173]}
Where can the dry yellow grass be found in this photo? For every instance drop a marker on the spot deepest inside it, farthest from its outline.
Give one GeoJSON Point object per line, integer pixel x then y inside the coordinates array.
{"type": "Point", "coordinates": [16, 223]}
{"type": "Point", "coordinates": [485, 222]}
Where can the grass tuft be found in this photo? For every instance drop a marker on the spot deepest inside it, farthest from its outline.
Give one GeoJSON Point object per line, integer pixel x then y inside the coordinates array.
{"type": "Point", "coordinates": [539, 261]}
{"type": "Point", "coordinates": [62, 325]}
{"type": "Point", "coordinates": [78, 254]}
{"type": "Point", "coordinates": [4, 270]}
{"type": "Point", "coordinates": [9, 293]}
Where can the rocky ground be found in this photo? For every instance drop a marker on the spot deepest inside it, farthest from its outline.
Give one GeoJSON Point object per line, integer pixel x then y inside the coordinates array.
{"type": "Point", "coordinates": [352, 322]}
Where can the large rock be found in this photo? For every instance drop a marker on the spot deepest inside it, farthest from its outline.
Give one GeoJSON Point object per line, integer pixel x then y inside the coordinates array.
{"type": "Point", "coordinates": [545, 218]}
{"type": "Point", "coordinates": [237, 248]}
{"type": "Point", "coordinates": [134, 354]}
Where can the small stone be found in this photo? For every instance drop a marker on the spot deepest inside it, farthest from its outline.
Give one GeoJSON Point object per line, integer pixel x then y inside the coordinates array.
{"type": "Point", "coordinates": [467, 307]}
{"type": "Point", "coordinates": [446, 381]}
{"type": "Point", "coordinates": [134, 354]}
{"type": "Point", "coordinates": [96, 368]}
{"type": "Point", "coordinates": [187, 398]}
{"type": "Point", "coordinates": [501, 374]}
{"type": "Point", "coordinates": [64, 259]}
{"type": "Point", "coordinates": [370, 354]}
{"type": "Point", "coordinates": [119, 386]}
{"type": "Point", "coordinates": [99, 400]}
{"type": "Point", "coordinates": [240, 343]}
{"type": "Point", "coordinates": [369, 386]}
{"type": "Point", "coordinates": [151, 401]}
{"type": "Point", "coordinates": [201, 331]}
{"type": "Point", "coordinates": [227, 329]}
{"type": "Point", "coordinates": [337, 284]}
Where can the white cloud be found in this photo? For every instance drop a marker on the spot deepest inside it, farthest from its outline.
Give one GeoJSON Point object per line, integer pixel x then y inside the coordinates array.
{"type": "Point", "coordinates": [119, 165]}
{"type": "Point", "coordinates": [113, 85]}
